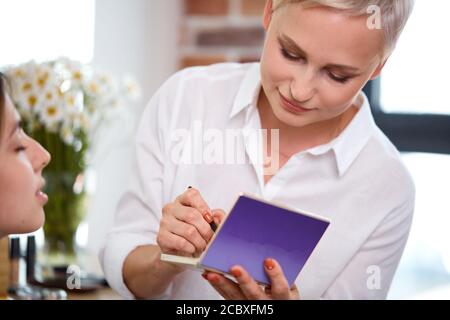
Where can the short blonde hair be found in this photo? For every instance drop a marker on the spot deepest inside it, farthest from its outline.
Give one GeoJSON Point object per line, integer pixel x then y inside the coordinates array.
{"type": "Point", "coordinates": [394, 14]}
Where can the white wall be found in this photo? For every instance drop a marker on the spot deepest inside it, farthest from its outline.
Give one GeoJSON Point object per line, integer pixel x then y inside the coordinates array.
{"type": "Point", "coordinates": [137, 37]}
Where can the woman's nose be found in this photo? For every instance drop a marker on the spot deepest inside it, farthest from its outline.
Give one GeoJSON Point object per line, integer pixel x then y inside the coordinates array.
{"type": "Point", "coordinates": [40, 157]}
{"type": "Point", "coordinates": [303, 87]}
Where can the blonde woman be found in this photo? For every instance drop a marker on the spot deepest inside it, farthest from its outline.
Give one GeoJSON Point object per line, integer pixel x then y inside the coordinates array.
{"type": "Point", "coordinates": [22, 160]}
{"type": "Point", "coordinates": [333, 160]}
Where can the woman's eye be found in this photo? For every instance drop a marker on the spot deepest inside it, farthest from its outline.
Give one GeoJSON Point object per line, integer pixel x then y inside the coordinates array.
{"type": "Point", "coordinates": [337, 78]}
{"type": "Point", "coordinates": [289, 56]}
{"type": "Point", "coordinates": [20, 149]}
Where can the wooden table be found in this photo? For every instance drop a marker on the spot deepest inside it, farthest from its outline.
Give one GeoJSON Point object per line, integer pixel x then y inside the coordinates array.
{"type": "Point", "coordinates": [102, 294]}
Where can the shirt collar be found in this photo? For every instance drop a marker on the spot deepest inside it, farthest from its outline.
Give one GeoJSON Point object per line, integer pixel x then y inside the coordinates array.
{"type": "Point", "coordinates": [347, 146]}
{"type": "Point", "coordinates": [249, 90]}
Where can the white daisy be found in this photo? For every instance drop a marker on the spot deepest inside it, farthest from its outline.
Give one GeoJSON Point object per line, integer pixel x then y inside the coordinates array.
{"type": "Point", "coordinates": [18, 73]}
{"type": "Point", "coordinates": [73, 102]}
{"type": "Point", "coordinates": [44, 77]}
{"type": "Point", "coordinates": [93, 87]}
{"type": "Point", "coordinates": [27, 98]}
{"type": "Point", "coordinates": [30, 69]}
{"type": "Point", "coordinates": [50, 95]}
{"type": "Point", "coordinates": [52, 115]}
{"type": "Point", "coordinates": [132, 88]}
{"type": "Point", "coordinates": [73, 70]}
{"type": "Point", "coordinates": [84, 122]}
{"type": "Point", "coordinates": [100, 85]}
{"type": "Point", "coordinates": [67, 134]}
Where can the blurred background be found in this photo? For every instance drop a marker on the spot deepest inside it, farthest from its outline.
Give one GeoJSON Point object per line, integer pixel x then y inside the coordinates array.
{"type": "Point", "coordinates": [151, 39]}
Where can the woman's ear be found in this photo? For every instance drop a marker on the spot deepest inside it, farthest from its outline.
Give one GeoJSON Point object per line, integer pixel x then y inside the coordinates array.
{"type": "Point", "coordinates": [267, 14]}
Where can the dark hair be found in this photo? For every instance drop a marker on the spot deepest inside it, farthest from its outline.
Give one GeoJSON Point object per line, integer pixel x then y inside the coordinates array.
{"type": "Point", "coordinates": [2, 101]}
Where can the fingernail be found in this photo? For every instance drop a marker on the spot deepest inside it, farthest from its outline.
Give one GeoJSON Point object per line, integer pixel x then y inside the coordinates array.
{"type": "Point", "coordinates": [269, 264]}
{"type": "Point", "coordinates": [236, 273]}
{"type": "Point", "coordinates": [214, 279]}
{"type": "Point", "coordinates": [208, 217]}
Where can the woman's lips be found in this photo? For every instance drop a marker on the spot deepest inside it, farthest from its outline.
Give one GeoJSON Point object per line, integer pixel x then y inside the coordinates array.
{"type": "Point", "coordinates": [291, 107]}
{"type": "Point", "coordinates": [42, 197]}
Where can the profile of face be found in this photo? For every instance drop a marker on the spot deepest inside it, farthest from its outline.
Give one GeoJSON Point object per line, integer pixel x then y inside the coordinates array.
{"type": "Point", "coordinates": [22, 160]}
{"type": "Point", "coordinates": [315, 62]}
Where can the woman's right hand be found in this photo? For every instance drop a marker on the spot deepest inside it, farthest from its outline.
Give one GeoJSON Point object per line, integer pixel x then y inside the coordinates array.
{"type": "Point", "coordinates": [184, 228]}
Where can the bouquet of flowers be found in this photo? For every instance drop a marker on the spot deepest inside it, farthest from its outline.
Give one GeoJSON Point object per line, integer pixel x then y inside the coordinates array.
{"type": "Point", "coordinates": [63, 104]}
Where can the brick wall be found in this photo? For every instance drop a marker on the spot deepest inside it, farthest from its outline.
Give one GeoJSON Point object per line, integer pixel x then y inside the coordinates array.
{"type": "Point", "coordinates": [221, 30]}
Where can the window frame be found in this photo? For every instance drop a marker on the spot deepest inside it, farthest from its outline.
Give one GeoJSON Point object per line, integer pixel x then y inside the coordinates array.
{"type": "Point", "coordinates": [410, 132]}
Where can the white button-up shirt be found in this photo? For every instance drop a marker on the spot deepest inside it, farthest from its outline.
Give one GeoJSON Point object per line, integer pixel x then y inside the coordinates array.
{"type": "Point", "coordinates": [357, 180]}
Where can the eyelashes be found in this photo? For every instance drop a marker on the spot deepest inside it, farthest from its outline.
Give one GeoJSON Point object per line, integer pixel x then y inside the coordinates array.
{"type": "Point", "coordinates": [285, 53]}
{"type": "Point", "coordinates": [288, 56]}
{"type": "Point", "coordinates": [338, 79]}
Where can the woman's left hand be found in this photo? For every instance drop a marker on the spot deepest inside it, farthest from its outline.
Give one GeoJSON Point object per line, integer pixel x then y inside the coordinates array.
{"type": "Point", "coordinates": [246, 287]}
